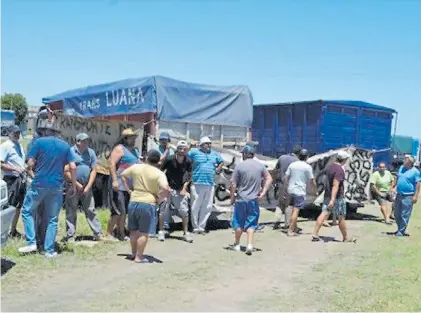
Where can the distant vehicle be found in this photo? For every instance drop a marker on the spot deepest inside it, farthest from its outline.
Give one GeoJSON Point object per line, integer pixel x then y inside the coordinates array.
{"type": "Point", "coordinates": [7, 119]}
{"type": "Point", "coordinates": [7, 213]}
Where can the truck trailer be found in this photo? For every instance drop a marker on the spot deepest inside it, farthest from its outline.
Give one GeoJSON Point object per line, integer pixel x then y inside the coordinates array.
{"type": "Point", "coordinates": [323, 125]}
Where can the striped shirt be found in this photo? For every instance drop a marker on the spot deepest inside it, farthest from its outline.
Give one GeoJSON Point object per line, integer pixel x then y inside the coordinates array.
{"type": "Point", "coordinates": [204, 165]}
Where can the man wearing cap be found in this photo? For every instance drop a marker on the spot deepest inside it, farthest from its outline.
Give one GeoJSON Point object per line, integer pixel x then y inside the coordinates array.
{"type": "Point", "coordinates": [12, 158]}
{"type": "Point", "coordinates": [178, 169]}
{"type": "Point", "coordinates": [85, 160]}
{"type": "Point", "coordinates": [407, 192]}
{"type": "Point", "coordinates": [297, 176]}
{"type": "Point", "coordinates": [48, 157]}
{"type": "Point", "coordinates": [334, 197]}
{"type": "Point", "coordinates": [149, 187]}
{"type": "Point", "coordinates": [246, 190]}
{"type": "Point", "coordinates": [165, 147]}
{"type": "Point", "coordinates": [281, 167]}
{"type": "Point", "coordinates": [123, 155]}
{"type": "Point", "coordinates": [206, 163]}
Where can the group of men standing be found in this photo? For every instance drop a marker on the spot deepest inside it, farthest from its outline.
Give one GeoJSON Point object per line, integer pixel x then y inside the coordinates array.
{"type": "Point", "coordinates": [171, 180]}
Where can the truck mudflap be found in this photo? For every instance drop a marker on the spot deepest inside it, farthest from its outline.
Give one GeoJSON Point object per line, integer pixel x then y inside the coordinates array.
{"type": "Point", "coordinates": [7, 215]}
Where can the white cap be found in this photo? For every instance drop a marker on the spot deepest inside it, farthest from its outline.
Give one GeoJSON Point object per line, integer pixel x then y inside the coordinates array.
{"type": "Point", "coordinates": [204, 140]}
{"type": "Point", "coordinates": [182, 144]}
{"type": "Point", "coordinates": [343, 155]}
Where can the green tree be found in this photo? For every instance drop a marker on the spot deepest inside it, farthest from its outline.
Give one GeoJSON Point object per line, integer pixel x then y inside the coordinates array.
{"type": "Point", "coordinates": [15, 102]}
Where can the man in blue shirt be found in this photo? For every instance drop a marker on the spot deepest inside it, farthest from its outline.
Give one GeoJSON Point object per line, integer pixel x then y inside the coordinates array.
{"type": "Point", "coordinates": [47, 158]}
{"type": "Point", "coordinates": [206, 163]}
{"type": "Point", "coordinates": [85, 160]}
{"type": "Point", "coordinates": [407, 191]}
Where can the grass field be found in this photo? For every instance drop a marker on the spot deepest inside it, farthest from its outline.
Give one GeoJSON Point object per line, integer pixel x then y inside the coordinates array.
{"type": "Point", "coordinates": [379, 273]}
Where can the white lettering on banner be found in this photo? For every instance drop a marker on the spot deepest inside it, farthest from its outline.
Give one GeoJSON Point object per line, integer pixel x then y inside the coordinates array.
{"type": "Point", "coordinates": [103, 134]}
{"type": "Point", "coordinates": [125, 96]}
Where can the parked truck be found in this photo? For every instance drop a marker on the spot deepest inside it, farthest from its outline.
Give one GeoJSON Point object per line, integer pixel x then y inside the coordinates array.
{"type": "Point", "coordinates": [7, 119]}
{"type": "Point", "coordinates": [150, 105]}
{"type": "Point", "coordinates": [323, 125]}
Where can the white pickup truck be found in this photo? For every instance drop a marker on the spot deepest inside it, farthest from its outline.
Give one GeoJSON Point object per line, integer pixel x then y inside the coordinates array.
{"type": "Point", "coordinates": [7, 213]}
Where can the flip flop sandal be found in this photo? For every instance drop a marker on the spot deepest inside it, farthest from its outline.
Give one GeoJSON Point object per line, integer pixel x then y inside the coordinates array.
{"type": "Point", "coordinates": [143, 261]}
{"type": "Point", "coordinates": [352, 240]}
{"type": "Point", "coordinates": [326, 224]}
{"type": "Point", "coordinates": [388, 223]}
{"type": "Point", "coordinates": [315, 239]}
{"type": "Point", "coordinates": [292, 234]}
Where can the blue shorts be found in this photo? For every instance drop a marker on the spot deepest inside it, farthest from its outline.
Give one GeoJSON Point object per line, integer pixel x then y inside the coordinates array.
{"type": "Point", "coordinates": [297, 201]}
{"type": "Point", "coordinates": [339, 209]}
{"type": "Point", "coordinates": [246, 215]}
{"type": "Point", "coordinates": [142, 217]}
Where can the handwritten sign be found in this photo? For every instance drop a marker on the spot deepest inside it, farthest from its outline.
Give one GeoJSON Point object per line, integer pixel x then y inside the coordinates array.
{"type": "Point", "coordinates": [103, 134]}
{"type": "Point", "coordinates": [358, 170]}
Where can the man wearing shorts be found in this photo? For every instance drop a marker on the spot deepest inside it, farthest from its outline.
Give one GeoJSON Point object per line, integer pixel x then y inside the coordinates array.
{"type": "Point", "coordinates": [298, 174]}
{"type": "Point", "coordinates": [334, 200]}
{"type": "Point", "coordinates": [149, 187]}
{"type": "Point", "coordinates": [246, 183]}
{"type": "Point", "coordinates": [381, 185]}
{"type": "Point", "coordinates": [281, 166]}
{"type": "Point", "coordinates": [178, 168]}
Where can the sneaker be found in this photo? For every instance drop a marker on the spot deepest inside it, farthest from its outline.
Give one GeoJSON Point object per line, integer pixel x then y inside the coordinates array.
{"type": "Point", "coordinates": [187, 238]}
{"type": "Point", "coordinates": [161, 235]}
{"type": "Point", "coordinates": [235, 247]}
{"type": "Point", "coordinates": [98, 237]}
{"type": "Point", "coordinates": [249, 250]}
{"type": "Point", "coordinates": [28, 249]}
{"type": "Point", "coordinates": [50, 255]}
{"type": "Point", "coordinates": [196, 231]}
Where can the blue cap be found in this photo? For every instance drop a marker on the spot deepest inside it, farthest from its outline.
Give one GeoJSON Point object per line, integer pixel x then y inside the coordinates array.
{"type": "Point", "coordinates": [248, 149]}
{"type": "Point", "coordinates": [164, 136]}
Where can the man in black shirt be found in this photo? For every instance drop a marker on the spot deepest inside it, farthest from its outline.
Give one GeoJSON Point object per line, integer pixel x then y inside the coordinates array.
{"type": "Point", "coordinates": [178, 169]}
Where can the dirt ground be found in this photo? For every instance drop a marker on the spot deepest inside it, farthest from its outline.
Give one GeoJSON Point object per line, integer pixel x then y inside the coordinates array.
{"type": "Point", "coordinates": [202, 276]}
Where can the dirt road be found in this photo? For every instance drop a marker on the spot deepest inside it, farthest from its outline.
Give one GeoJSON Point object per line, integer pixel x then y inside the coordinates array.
{"type": "Point", "coordinates": [202, 276]}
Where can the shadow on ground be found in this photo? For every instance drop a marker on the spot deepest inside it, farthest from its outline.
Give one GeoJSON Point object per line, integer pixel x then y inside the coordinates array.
{"type": "Point", "coordinates": [150, 258]}
{"type": "Point", "coordinates": [6, 265]}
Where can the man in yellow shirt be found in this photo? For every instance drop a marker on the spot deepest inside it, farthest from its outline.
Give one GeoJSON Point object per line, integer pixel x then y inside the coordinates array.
{"type": "Point", "coordinates": [381, 185]}
{"type": "Point", "coordinates": [150, 187]}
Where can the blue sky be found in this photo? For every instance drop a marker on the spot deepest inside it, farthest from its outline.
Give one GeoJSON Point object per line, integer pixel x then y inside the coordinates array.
{"type": "Point", "coordinates": [285, 50]}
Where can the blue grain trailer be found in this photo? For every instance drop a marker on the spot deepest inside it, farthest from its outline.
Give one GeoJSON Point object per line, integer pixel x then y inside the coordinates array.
{"type": "Point", "coordinates": [321, 126]}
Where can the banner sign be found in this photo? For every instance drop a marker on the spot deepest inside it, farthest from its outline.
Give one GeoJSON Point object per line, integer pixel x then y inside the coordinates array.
{"type": "Point", "coordinates": [103, 134]}
{"type": "Point", "coordinates": [131, 96]}
{"type": "Point", "coordinates": [358, 170]}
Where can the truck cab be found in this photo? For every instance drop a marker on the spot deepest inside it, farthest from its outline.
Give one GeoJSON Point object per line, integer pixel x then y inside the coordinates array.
{"type": "Point", "coordinates": [7, 213]}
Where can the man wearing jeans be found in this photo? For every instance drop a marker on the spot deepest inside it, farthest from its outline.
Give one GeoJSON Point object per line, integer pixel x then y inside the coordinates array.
{"type": "Point", "coordinates": [47, 157]}
{"type": "Point", "coordinates": [407, 191]}
{"type": "Point", "coordinates": [85, 160]}
{"type": "Point", "coordinates": [206, 163]}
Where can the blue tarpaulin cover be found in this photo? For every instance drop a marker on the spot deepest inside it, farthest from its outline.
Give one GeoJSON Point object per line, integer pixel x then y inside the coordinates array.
{"type": "Point", "coordinates": [171, 99]}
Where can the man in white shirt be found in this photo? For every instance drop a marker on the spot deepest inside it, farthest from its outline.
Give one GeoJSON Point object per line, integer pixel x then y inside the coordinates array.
{"type": "Point", "coordinates": [12, 158]}
{"type": "Point", "coordinates": [298, 174]}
